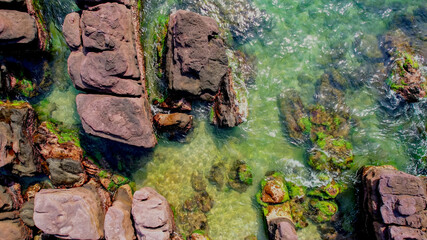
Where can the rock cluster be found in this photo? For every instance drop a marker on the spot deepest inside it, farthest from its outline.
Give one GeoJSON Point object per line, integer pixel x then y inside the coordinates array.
{"type": "Point", "coordinates": [104, 60]}
{"type": "Point", "coordinates": [394, 204]}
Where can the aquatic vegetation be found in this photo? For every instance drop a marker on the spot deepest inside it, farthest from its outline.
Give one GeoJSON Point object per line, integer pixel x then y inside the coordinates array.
{"type": "Point", "coordinates": [64, 134]}
{"type": "Point", "coordinates": [324, 210]}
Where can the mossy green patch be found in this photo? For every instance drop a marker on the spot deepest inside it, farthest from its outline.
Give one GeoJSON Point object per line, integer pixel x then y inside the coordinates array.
{"type": "Point", "coordinates": [305, 124]}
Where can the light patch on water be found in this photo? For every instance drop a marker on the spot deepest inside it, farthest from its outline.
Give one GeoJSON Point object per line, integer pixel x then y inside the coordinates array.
{"type": "Point", "coordinates": [64, 110]}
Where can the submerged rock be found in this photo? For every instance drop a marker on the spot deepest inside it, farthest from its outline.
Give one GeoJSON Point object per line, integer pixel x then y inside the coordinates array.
{"type": "Point", "coordinates": [118, 223]}
{"type": "Point", "coordinates": [69, 213]}
{"type": "Point", "coordinates": [120, 119]}
{"type": "Point", "coordinates": [17, 126]}
{"type": "Point", "coordinates": [16, 27]}
{"type": "Point", "coordinates": [174, 123]}
{"type": "Point", "coordinates": [217, 175]}
{"type": "Point", "coordinates": [152, 215]}
{"type": "Point", "coordinates": [240, 176]}
{"type": "Point", "coordinates": [394, 203]}
{"type": "Point", "coordinates": [196, 61]}
{"type": "Point", "coordinates": [294, 114]}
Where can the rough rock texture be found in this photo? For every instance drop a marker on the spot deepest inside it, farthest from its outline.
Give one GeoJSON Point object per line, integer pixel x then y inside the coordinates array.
{"type": "Point", "coordinates": [120, 119]}
{"type": "Point", "coordinates": [16, 27]}
{"type": "Point", "coordinates": [152, 215]}
{"type": "Point", "coordinates": [196, 61]}
{"type": "Point", "coordinates": [282, 229]}
{"type": "Point", "coordinates": [16, 133]}
{"type": "Point", "coordinates": [394, 204]}
{"type": "Point", "coordinates": [118, 223]}
{"type": "Point", "coordinates": [226, 111]}
{"type": "Point", "coordinates": [105, 60]}
{"type": "Point", "coordinates": [174, 123]}
{"type": "Point", "coordinates": [69, 213]}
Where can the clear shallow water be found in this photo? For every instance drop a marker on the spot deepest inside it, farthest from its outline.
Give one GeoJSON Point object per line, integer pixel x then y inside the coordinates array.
{"type": "Point", "coordinates": [293, 43]}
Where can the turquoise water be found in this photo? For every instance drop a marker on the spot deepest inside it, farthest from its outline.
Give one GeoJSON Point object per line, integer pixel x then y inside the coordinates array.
{"type": "Point", "coordinates": [293, 44]}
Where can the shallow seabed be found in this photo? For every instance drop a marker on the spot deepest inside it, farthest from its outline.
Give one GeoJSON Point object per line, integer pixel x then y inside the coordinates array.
{"type": "Point", "coordinates": [293, 43]}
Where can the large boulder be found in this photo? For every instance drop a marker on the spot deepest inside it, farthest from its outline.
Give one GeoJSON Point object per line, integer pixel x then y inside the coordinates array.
{"type": "Point", "coordinates": [72, 31]}
{"type": "Point", "coordinates": [74, 213]}
{"type": "Point", "coordinates": [16, 132]}
{"type": "Point", "coordinates": [152, 215]}
{"type": "Point", "coordinates": [118, 222]}
{"type": "Point", "coordinates": [120, 119]}
{"type": "Point", "coordinates": [394, 203]}
{"type": "Point", "coordinates": [173, 123]}
{"type": "Point", "coordinates": [16, 27]}
{"type": "Point", "coordinates": [196, 61]}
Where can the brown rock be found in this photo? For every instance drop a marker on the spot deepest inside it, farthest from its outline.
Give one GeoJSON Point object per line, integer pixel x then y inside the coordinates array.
{"type": "Point", "coordinates": [152, 215]}
{"type": "Point", "coordinates": [196, 61]}
{"type": "Point", "coordinates": [273, 192]}
{"type": "Point", "coordinates": [69, 213]}
{"type": "Point", "coordinates": [16, 27]}
{"type": "Point", "coordinates": [181, 105]}
{"type": "Point", "coordinates": [14, 229]}
{"type": "Point", "coordinates": [71, 30]}
{"type": "Point", "coordinates": [174, 122]}
{"type": "Point", "coordinates": [118, 223]}
{"type": "Point", "coordinates": [124, 120]}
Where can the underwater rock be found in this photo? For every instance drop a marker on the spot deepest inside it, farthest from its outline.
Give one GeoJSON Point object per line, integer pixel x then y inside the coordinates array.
{"type": "Point", "coordinates": [217, 175]}
{"type": "Point", "coordinates": [17, 123]}
{"type": "Point", "coordinates": [394, 203]}
{"type": "Point", "coordinates": [294, 114]}
{"type": "Point", "coordinates": [200, 201]}
{"type": "Point", "coordinates": [69, 213]}
{"type": "Point", "coordinates": [368, 46]}
{"type": "Point", "coordinates": [192, 221]}
{"type": "Point", "coordinates": [118, 223]}
{"type": "Point", "coordinates": [240, 176]}
{"type": "Point", "coordinates": [174, 123]}
{"type": "Point", "coordinates": [198, 235]}
{"type": "Point", "coordinates": [16, 27]}
{"type": "Point", "coordinates": [72, 31]}
{"type": "Point", "coordinates": [120, 119]}
{"type": "Point", "coordinates": [198, 182]}
{"type": "Point", "coordinates": [196, 61]}
{"type": "Point", "coordinates": [323, 211]}
{"type": "Point", "coordinates": [226, 112]}
{"type": "Point", "coordinates": [152, 215]}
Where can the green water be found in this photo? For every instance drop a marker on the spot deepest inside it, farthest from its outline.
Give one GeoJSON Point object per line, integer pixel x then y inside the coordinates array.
{"type": "Point", "coordinates": [293, 43]}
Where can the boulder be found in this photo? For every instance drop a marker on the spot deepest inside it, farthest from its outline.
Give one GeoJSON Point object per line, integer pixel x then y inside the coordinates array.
{"type": "Point", "coordinates": [69, 213]}
{"type": "Point", "coordinates": [118, 223]}
{"type": "Point", "coordinates": [173, 123]}
{"type": "Point", "coordinates": [226, 112]}
{"type": "Point", "coordinates": [72, 31]}
{"type": "Point", "coordinates": [16, 132]}
{"type": "Point", "coordinates": [282, 229]}
{"type": "Point", "coordinates": [196, 61]}
{"type": "Point", "coordinates": [26, 213]}
{"type": "Point", "coordinates": [125, 120]}
{"type": "Point", "coordinates": [394, 203]}
{"type": "Point", "coordinates": [16, 27]}
{"type": "Point", "coordinates": [14, 229]}
{"type": "Point", "coordinates": [152, 215]}
{"type": "Point", "coordinates": [180, 105]}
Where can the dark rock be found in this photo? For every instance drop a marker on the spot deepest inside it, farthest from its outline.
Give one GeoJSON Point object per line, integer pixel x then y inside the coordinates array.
{"type": "Point", "coordinates": [152, 215]}
{"type": "Point", "coordinates": [394, 203]}
{"type": "Point", "coordinates": [66, 172]}
{"type": "Point", "coordinates": [72, 31]}
{"type": "Point", "coordinates": [69, 213]}
{"type": "Point", "coordinates": [200, 201]}
{"type": "Point", "coordinates": [240, 176]}
{"type": "Point", "coordinates": [198, 181]}
{"type": "Point", "coordinates": [17, 122]}
{"type": "Point", "coordinates": [124, 120]}
{"type": "Point", "coordinates": [217, 175]}
{"type": "Point", "coordinates": [198, 236]}
{"type": "Point", "coordinates": [26, 213]}
{"type": "Point", "coordinates": [294, 114]}
{"type": "Point", "coordinates": [16, 27]}
{"type": "Point", "coordinates": [118, 223]}
{"type": "Point", "coordinates": [83, 4]}
{"type": "Point", "coordinates": [196, 61]}
{"type": "Point", "coordinates": [191, 221]}
{"type": "Point", "coordinates": [226, 112]}
{"type": "Point", "coordinates": [181, 105]}
{"type": "Point", "coordinates": [174, 123]}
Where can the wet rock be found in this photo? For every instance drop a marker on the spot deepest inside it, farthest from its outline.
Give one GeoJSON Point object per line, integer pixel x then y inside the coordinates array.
{"type": "Point", "coordinates": [196, 61]}
{"type": "Point", "coordinates": [198, 235]}
{"type": "Point", "coordinates": [181, 105]}
{"type": "Point", "coordinates": [217, 175]}
{"type": "Point", "coordinates": [152, 215]}
{"type": "Point", "coordinates": [294, 114]}
{"type": "Point", "coordinates": [72, 31]}
{"type": "Point", "coordinates": [394, 203]}
{"type": "Point", "coordinates": [240, 176]}
{"type": "Point", "coordinates": [124, 120]}
{"type": "Point", "coordinates": [191, 221]}
{"type": "Point", "coordinates": [323, 210]}
{"type": "Point", "coordinates": [16, 27]}
{"type": "Point", "coordinates": [69, 213]}
{"type": "Point", "coordinates": [174, 123]}
{"type": "Point", "coordinates": [368, 46]}
{"type": "Point", "coordinates": [274, 190]}
{"type": "Point", "coordinates": [118, 223]}
{"type": "Point", "coordinates": [200, 201]}
{"type": "Point", "coordinates": [198, 182]}
{"type": "Point", "coordinates": [226, 112]}
{"type": "Point", "coordinates": [26, 213]}
{"type": "Point", "coordinates": [17, 123]}
{"type": "Point", "coordinates": [282, 229]}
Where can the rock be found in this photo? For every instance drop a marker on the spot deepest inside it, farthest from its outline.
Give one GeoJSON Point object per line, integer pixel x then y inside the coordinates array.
{"type": "Point", "coordinates": [120, 119]}
{"type": "Point", "coordinates": [196, 61]}
{"type": "Point", "coordinates": [240, 176]}
{"type": "Point", "coordinates": [282, 229]}
{"type": "Point", "coordinates": [66, 172]}
{"type": "Point", "coordinates": [200, 201]}
{"type": "Point", "coordinates": [14, 229]}
{"type": "Point", "coordinates": [16, 27]}
{"type": "Point", "coordinates": [394, 203]}
{"type": "Point", "coordinates": [10, 197]}
{"type": "Point", "coordinates": [226, 112]}
{"type": "Point", "coordinates": [152, 215]}
{"type": "Point", "coordinates": [174, 123]}
{"type": "Point", "coordinates": [274, 190]}
{"type": "Point", "coordinates": [181, 105]}
{"type": "Point", "coordinates": [294, 115]}
{"type": "Point", "coordinates": [368, 46]}
{"type": "Point", "coordinates": [83, 4]}
{"type": "Point", "coordinates": [15, 4]}
{"type": "Point", "coordinates": [72, 31]}
{"type": "Point", "coordinates": [217, 175]}
{"type": "Point", "coordinates": [17, 120]}
{"type": "Point", "coordinates": [69, 213]}
{"type": "Point", "coordinates": [198, 236]}
{"type": "Point", "coordinates": [198, 182]}
{"type": "Point", "coordinates": [118, 223]}
{"type": "Point", "coordinates": [26, 213]}
{"type": "Point", "coordinates": [191, 221]}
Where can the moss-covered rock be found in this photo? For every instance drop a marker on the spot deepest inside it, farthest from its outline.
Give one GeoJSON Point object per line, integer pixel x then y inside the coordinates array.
{"type": "Point", "coordinates": [274, 189]}
{"type": "Point", "coordinates": [323, 210]}
{"type": "Point", "coordinates": [240, 176]}
{"type": "Point", "coordinates": [329, 191]}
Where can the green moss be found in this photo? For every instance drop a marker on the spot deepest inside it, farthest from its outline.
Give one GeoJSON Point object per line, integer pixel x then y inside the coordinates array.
{"type": "Point", "coordinates": [64, 134]}
{"type": "Point", "coordinates": [132, 185]}
{"type": "Point", "coordinates": [306, 124]}
{"type": "Point", "coordinates": [103, 174]}
{"type": "Point", "coordinates": [245, 174]}
{"type": "Point", "coordinates": [112, 186]}
{"type": "Point", "coordinates": [295, 191]}
{"type": "Point", "coordinates": [198, 231]}
{"type": "Point", "coordinates": [325, 210]}
{"type": "Point", "coordinates": [337, 121]}
{"type": "Point", "coordinates": [258, 199]}
{"type": "Point", "coordinates": [211, 114]}
{"type": "Point", "coordinates": [410, 61]}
